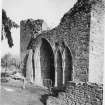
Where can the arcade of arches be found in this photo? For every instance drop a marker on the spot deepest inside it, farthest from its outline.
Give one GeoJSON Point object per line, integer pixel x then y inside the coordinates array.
{"type": "Point", "coordinates": [47, 65]}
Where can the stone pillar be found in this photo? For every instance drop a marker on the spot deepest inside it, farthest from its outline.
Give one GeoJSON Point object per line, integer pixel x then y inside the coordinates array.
{"type": "Point", "coordinates": [58, 69]}
{"type": "Point", "coordinates": [29, 67]}
{"type": "Point", "coordinates": [63, 66]}
{"type": "Point", "coordinates": [38, 78]}
{"type": "Point", "coordinates": [67, 65]}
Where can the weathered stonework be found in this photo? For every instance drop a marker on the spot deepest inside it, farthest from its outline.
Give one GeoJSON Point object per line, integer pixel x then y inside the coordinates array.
{"type": "Point", "coordinates": [29, 28]}
{"type": "Point", "coordinates": [64, 51]}
{"type": "Point", "coordinates": [74, 32]}
{"type": "Point", "coordinates": [80, 94]}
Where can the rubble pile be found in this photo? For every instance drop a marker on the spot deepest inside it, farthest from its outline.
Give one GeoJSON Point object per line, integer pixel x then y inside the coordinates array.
{"type": "Point", "coordinates": [78, 94]}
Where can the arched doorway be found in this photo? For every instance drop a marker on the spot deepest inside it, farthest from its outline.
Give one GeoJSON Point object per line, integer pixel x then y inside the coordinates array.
{"type": "Point", "coordinates": [58, 69]}
{"type": "Point", "coordinates": [47, 61]}
{"type": "Point", "coordinates": [67, 65]}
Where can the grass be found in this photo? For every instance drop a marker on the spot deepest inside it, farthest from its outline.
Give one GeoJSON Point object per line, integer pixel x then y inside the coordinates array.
{"type": "Point", "coordinates": [13, 94]}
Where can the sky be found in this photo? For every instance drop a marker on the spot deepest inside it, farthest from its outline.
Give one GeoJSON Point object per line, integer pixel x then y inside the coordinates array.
{"type": "Point", "coordinates": [49, 10]}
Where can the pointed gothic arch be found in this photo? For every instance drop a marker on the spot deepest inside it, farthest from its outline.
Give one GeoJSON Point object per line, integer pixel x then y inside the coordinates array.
{"type": "Point", "coordinates": [47, 61]}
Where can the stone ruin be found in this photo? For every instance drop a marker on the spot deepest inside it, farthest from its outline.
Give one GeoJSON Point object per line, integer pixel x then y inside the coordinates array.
{"type": "Point", "coordinates": [78, 94]}
{"type": "Point", "coordinates": [72, 51]}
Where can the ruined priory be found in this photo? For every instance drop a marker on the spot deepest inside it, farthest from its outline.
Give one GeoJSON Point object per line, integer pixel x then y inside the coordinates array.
{"type": "Point", "coordinates": [72, 51]}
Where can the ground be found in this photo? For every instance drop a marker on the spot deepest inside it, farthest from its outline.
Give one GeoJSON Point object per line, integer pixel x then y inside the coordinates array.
{"type": "Point", "coordinates": [13, 94]}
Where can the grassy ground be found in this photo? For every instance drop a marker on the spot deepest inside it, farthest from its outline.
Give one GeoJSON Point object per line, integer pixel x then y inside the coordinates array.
{"type": "Point", "coordinates": [13, 94]}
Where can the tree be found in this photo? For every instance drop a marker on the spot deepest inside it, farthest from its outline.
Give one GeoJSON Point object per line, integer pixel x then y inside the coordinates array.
{"type": "Point", "coordinates": [5, 61]}
{"type": "Point", "coordinates": [17, 63]}
{"type": "Point", "coordinates": [7, 24]}
{"type": "Point", "coordinates": [8, 61]}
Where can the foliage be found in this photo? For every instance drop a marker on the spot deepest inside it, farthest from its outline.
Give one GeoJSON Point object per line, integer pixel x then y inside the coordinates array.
{"type": "Point", "coordinates": [17, 63]}
{"type": "Point", "coordinates": [5, 60]}
{"type": "Point", "coordinates": [7, 24]}
{"type": "Point", "coordinates": [8, 61]}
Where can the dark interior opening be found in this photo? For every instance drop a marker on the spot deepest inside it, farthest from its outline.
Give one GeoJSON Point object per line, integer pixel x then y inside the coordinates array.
{"type": "Point", "coordinates": [47, 61]}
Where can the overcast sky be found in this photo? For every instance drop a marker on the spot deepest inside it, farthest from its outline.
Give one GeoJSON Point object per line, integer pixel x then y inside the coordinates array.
{"type": "Point", "coordinates": [49, 10]}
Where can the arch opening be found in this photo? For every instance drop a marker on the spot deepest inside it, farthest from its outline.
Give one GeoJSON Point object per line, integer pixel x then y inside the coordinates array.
{"type": "Point", "coordinates": [47, 62]}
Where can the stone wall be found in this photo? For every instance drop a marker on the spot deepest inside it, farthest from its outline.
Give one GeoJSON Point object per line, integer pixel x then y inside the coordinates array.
{"type": "Point", "coordinates": [30, 28]}
{"type": "Point", "coordinates": [80, 94]}
{"type": "Point", "coordinates": [81, 31]}
{"type": "Point", "coordinates": [96, 50]}
{"type": "Point", "coordinates": [74, 32]}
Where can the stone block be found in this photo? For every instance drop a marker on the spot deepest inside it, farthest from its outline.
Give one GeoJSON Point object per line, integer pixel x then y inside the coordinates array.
{"type": "Point", "coordinates": [52, 101]}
